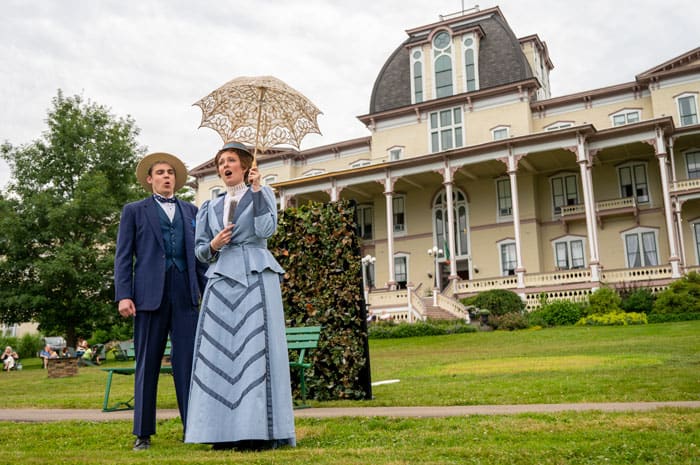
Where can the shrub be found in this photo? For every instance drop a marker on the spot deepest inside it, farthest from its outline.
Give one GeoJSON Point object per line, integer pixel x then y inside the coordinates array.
{"type": "Point", "coordinates": [26, 347]}
{"type": "Point", "coordinates": [604, 300]}
{"type": "Point", "coordinates": [613, 319]}
{"type": "Point", "coordinates": [557, 313]}
{"type": "Point", "coordinates": [672, 317]}
{"type": "Point", "coordinates": [498, 301]}
{"type": "Point", "coordinates": [29, 344]}
{"type": "Point", "coordinates": [682, 296]}
{"type": "Point", "coordinates": [390, 330]}
{"type": "Point", "coordinates": [509, 322]}
{"type": "Point", "coordinates": [639, 300]}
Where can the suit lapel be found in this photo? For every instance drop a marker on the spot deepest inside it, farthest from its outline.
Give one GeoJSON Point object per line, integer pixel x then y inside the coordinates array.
{"type": "Point", "coordinates": [150, 207]}
{"type": "Point", "coordinates": [219, 211]}
{"type": "Point", "coordinates": [242, 205]}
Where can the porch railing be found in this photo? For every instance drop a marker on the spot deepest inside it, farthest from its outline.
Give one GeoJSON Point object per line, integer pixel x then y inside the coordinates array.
{"type": "Point", "coordinates": [687, 184]}
{"type": "Point", "coordinates": [613, 204]}
{"type": "Point", "coordinates": [636, 274]}
{"type": "Point", "coordinates": [453, 307]}
{"type": "Point", "coordinates": [480, 285]}
{"type": "Point", "coordinates": [558, 277]}
{"type": "Point", "coordinates": [416, 307]}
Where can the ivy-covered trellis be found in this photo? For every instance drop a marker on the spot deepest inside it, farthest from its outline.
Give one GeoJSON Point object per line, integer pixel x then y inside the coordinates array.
{"type": "Point", "coordinates": [318, 246]}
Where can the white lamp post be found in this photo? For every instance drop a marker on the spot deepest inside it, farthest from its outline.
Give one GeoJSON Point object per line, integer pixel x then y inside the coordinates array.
{"type": "Point", "coordinates": [435, 253]}
{"type": "Point", "coordinates": [366, 261]}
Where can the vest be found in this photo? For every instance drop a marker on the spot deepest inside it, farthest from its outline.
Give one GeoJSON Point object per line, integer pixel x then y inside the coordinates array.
{"type": "Point", "coordinates": [173, 239]}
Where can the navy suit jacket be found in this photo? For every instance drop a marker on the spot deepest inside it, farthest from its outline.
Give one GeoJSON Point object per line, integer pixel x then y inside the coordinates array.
{"type": "Point", "coordinates": [139, 262]}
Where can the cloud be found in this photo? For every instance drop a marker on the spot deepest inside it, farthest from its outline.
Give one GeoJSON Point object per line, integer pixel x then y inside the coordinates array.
{"type": "Point", "coordinates": [152, 59]}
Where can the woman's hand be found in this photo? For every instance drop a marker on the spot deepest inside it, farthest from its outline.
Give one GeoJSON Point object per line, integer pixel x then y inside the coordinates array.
{"type": "Point", "coordinates": [254, 178]}
{"type": "Point", "coordinates": [221, 239]}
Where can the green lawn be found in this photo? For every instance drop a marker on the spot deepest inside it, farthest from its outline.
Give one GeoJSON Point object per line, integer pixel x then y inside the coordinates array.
{"type": "Point", "coordinates": [576, 364]}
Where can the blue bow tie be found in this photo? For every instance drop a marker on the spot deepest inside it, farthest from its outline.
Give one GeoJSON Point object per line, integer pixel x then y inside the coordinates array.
{"type": "Point", "coordinates": [162, 199]}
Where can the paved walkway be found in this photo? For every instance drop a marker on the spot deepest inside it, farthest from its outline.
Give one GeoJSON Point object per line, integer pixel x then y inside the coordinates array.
{"type": "Point", "coordinates": [43, 415]}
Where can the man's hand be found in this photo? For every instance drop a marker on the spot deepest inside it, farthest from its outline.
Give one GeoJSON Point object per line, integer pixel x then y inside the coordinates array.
{"type": "Point", "coordinates": [127, 308]}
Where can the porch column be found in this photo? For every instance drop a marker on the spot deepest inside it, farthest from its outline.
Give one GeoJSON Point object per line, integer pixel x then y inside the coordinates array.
{"type": "Point", "coordinates": [389, 193]}
{"type": "Point", "coordinates": [672, 157]}
{"type": "Point", "coordinates": [334, 191]}
{"type": "Point", "coordinates": [679, 231]}
{"type": "Point", "coordinates": [283, 199]}
{"type": "Point", "coordinates": [674, 260]}
{"type": "Point", "coordinates": [447, 176]}
{"type": "Point", "coordinates": [583, 159]}
{"type": "Point", "coordinates": [512, 170]}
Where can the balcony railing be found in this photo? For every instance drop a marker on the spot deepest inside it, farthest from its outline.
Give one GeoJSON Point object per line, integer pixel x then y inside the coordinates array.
{"type": "Point", "coordinates": [614, 204]}
{"type": "Point", "coordinates": [573, 210]}
{"type": "Point", "coordinates": [685, 185]}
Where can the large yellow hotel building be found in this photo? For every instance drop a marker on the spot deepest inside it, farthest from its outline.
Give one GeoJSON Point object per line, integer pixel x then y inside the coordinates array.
{"type": "Point", "coordinates": [468, 155]}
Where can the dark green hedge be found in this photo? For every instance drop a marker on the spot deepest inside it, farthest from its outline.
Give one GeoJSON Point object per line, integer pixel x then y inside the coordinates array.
{"type": "Point", "coordinates": [319, 249]}
{"type": "Point", "coordinates": [391, 330]}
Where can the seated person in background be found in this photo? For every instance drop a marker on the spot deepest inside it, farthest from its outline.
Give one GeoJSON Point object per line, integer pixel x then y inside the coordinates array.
{"type": "Point", "coordinates": [65, 353]}
{"type": "Point", "coordinates": [82, 346]}
{"type": "Point", "coordinates": [87, 353]}
{"type": "Point", "coordinates": [46, 354]}
{"type": "Point", "coordinates": [9, 358]}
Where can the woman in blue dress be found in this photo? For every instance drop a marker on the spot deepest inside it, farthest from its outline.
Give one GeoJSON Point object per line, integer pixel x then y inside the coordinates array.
{"type": "Point", "coordinates": [240, 394]}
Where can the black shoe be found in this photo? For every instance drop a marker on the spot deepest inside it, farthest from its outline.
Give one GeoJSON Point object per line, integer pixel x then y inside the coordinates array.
{"type": "Point", "coordinates": [143, 443]}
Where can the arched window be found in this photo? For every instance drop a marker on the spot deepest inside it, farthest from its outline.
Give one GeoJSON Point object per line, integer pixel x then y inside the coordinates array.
{"type": "Point", "coordinates": [461, 226]}
{"type": "Point", "coordinates": [471, 65]}
{"type": "Point", "coordinates": [442, 54]}
{"type": "Point", "coordinates": [417, 59]}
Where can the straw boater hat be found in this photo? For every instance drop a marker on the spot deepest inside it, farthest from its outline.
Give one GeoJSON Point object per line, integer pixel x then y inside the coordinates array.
{"type": "Point", "coordinates": [161, 157]}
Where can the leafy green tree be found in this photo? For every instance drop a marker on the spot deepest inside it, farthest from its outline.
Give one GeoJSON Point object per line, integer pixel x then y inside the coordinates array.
{"type": "Point", "coordinates": [59, 218]}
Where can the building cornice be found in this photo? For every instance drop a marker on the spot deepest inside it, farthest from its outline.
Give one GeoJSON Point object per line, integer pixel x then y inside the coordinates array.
{"type": "Point", "coordinates": [588, 131]}
{"type": "Point", "coordinates": [523, 87]}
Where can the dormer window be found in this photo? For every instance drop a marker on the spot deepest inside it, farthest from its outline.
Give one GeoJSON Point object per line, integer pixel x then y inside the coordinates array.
{"type": "Point", "coordinates": [313, 172]}
{"type": "Point", "coordinates": [442, 55]}
{"type": "Point", "coordinates": [417, 79]}
{"type": "Point", "coordinates": [559, 125]}
{"type": "Point", "coordinates": [395, 153]}
{"type": "Point", "coordinates": [360, 163]}
{"type": "Point", "coordinates": [471, 67]}
{"type": "Point", "coordinates": [625, 116]}
{"type": "Point", "coordinates": [500, 132]}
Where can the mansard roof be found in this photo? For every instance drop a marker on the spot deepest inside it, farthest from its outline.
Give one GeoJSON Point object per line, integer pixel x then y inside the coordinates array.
{"type": "Point", "coordinates": [501, 59]}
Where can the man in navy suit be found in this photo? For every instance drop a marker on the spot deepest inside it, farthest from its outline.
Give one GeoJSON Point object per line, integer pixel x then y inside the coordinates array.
{"type": "Point", "coordinates": [159, 282]}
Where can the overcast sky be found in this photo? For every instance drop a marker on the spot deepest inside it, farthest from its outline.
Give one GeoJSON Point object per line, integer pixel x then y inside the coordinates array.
{"type": "Point", "coordinates": [152, 59]}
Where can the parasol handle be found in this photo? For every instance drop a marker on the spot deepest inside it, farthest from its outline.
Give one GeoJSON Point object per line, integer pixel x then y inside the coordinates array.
{"type": "Point", "coordinates": [257, 129]}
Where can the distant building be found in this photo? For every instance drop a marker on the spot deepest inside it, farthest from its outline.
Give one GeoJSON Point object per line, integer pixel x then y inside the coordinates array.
{"type": "Point", "coordinates": [19, 330]}
{"type": "Point", "coordinates": [470, 154]}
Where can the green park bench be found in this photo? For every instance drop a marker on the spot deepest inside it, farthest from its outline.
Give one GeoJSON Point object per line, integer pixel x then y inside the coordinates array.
{"type": "Point", "coordinates": [165, 367]}
{"type": "Point", "coordinates": [124, 351]}
{"type": "Point", "coordinates": [300, 340]}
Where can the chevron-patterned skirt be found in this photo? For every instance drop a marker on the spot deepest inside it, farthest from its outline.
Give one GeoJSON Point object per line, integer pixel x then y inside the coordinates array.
{"type": "Point", "coordinates": [240, 387]}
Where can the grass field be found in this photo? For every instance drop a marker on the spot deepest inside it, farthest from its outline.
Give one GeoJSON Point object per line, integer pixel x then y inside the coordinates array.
{"type": "Point", "coordinates": [575, 364]}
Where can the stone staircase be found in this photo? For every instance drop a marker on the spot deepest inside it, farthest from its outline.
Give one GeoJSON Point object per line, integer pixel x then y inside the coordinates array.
{"type": "Point", "coordinates": [436, 313]}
